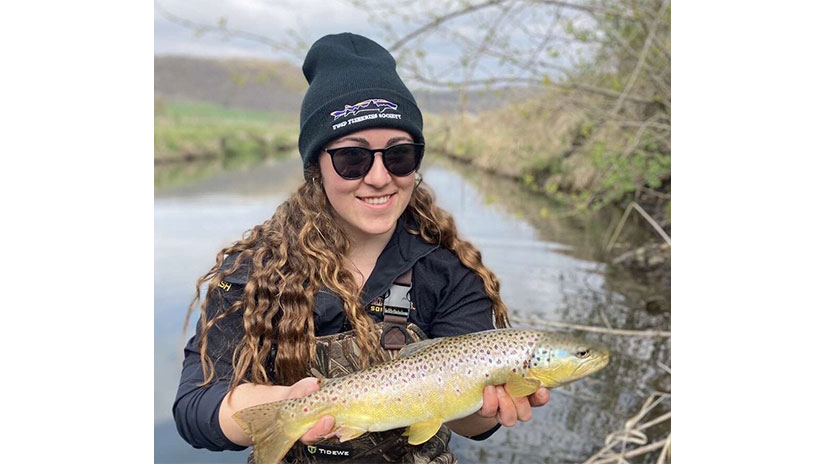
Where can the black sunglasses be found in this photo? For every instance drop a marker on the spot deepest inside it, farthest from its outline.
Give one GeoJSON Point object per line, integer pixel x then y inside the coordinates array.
{"type": "Point", "coordinates": [355, 162]}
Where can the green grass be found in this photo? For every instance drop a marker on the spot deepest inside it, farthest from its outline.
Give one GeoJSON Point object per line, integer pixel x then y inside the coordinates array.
{"type": "Point", "coordinates": [216, 138]}
{"type": "Point", "coordinates": [204, 129]}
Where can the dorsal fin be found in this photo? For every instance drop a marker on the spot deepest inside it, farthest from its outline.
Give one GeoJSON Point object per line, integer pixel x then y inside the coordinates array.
{"type": "Point", "coordinates": [413, 348]}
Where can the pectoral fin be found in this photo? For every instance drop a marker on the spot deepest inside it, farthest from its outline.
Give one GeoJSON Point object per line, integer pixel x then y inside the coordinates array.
{"type": "Point", "coordinates": [422, 431]}
{"type": "Point", "coordinates": [518, 386]}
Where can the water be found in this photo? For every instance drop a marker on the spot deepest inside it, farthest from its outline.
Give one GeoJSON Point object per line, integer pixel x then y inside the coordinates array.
{"type": "Point", "coordinates": [550, 265]}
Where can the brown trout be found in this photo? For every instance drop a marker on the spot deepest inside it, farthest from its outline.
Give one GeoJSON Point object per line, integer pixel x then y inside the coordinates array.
{"type": "Point", "coordinates": [432, 382]}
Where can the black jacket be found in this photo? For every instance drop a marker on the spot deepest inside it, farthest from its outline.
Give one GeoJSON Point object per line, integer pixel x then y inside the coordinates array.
{"type": "Point", "coordinates": [449, 300]}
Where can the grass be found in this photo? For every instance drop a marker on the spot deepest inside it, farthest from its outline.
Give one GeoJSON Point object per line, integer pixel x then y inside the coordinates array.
{"type": "Point", "coordinates": [204, 130]}
{"type": "Point", "coordinates": [195, 139]}
{"type": "Point", "coordinates": [551, 144]}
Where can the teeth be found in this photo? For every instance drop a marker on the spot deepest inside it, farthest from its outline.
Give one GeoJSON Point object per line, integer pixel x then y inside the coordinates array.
{"type": "Point", "coordinates": [377, 200]}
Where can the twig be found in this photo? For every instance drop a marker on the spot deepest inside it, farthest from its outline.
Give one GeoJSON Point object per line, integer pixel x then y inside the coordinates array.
{"type": "Point", "coordinates": [652, 222]}
{"type": "Point", "coordinates": [655, 421]}
{"type": "Point", "coordinates": [666, 368]}
{"type": "Point", "coordinates": [647, 217]}
{"type": "Point", "coordinates": [642, 56]}
{"type": "Point", "coordinates": [618, 228]}
{"type": "Point", "coordinates": [604, 317]}
{"type": "Point", "coordinates": [587, 328]}
{"type": "Point", "coordinates": [438, 21]}
{"type": "Point", "coordinates": [221, 27]}
{"type": "Point", "coordinates": [630, 454]}
{"type": "Point", "coordinates": [665, 451]}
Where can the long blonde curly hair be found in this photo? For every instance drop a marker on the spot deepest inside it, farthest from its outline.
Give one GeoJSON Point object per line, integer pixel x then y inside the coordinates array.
{"type": "Point", "coordinates": [292, 255]}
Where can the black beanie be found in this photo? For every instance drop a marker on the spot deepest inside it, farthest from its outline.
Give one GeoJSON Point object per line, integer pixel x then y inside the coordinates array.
{"type": "Point", "coordinates": [353, 85]}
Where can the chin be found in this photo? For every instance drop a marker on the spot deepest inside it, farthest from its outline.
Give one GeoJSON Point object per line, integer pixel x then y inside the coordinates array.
{"type": "Point", "coordinates": [378, 229]}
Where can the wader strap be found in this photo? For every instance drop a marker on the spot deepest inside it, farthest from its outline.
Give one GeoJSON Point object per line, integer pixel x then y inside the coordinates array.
{"type": "Point", "coordinates": [397, 306]}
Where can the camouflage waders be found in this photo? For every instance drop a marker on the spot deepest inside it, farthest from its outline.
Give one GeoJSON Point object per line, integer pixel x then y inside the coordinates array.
{"type": "Point", "coordinates": [339, 355]}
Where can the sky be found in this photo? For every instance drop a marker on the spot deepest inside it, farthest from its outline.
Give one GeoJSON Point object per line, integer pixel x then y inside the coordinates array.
{"type": "Point", "coordinates": [309, 20]}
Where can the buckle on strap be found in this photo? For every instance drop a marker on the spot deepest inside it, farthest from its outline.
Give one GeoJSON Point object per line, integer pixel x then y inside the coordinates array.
{"type": "Point", "coordinates": [394, 335]}
{"type": "Point", "coordinates": [397, 306]}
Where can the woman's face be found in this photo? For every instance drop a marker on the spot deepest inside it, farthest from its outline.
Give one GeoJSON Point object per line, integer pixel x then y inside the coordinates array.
{"type": "Point", "coordinates": [371, 205]}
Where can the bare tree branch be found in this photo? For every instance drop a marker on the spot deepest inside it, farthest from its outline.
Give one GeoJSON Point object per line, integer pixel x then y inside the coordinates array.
{"type": "Point", "coordinates": [634, 75]}
{"type": "Point", "coordinates": [440, 20]}
{"type": "Point", "coordinates": [220, 28]}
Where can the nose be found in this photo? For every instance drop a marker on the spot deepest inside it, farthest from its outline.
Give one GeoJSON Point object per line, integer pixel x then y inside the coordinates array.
{"type": "Point", "coordinates": [378, 176]}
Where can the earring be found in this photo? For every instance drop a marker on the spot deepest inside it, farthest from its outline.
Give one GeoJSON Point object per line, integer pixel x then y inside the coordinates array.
{"type": "Point", "coordinates": [418, 179]}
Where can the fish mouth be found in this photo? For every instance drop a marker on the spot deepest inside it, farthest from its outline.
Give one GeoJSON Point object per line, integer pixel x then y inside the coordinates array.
{"type": "Point", "coordinates": [589, 366]}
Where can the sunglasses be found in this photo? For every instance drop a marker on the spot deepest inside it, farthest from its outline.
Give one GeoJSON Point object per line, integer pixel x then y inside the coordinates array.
{"type": "Point", "coordinates": [355, 162]}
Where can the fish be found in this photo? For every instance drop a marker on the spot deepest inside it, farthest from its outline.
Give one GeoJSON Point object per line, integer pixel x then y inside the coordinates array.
{"type": "Point", "coordinates": [431, 382]}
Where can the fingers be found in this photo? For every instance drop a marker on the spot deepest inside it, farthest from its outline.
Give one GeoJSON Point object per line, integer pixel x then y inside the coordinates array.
{"type": "Point", "coordinates": [319, 430]}
{"type": "Point", "coordinates": [507, 414]}
{"type": "Point", "coordinates": [304, 387]}
{"type": "Point", "coordinates": [540, 397]}
{"type": "Point", "coordinates": [489, 408]}
{"type": "Point", "coordinates": [508, 410]}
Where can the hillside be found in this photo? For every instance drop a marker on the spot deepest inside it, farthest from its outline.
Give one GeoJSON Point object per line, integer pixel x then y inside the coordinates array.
{"type": "Point", "coordinates": [234, 83]}
{"type": "Point", "coordinates": [275, 86]}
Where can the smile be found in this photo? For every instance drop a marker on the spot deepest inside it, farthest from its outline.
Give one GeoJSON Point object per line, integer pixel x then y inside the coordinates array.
{"type": "Point", "coordinates": [376, 200]}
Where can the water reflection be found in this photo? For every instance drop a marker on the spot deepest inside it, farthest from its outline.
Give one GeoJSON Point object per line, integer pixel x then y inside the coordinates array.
{"type": "Point", "coordinates": [549, 264]}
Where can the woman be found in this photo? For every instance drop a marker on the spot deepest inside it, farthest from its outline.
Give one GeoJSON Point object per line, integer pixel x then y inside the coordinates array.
{"type": "Point", "coordinates": [315, 290]}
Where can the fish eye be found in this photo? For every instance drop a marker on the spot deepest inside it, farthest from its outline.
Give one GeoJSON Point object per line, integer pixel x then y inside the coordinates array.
{"type": "Point", "coordinates": [583, 353]}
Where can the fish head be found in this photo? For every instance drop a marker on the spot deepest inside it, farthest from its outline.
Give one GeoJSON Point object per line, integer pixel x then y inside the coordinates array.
{"type": "Point", "coordinates": [559, 359]}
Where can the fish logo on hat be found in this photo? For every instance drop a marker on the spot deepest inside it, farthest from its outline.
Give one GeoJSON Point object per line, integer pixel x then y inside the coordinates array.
{"type": "Point", "coordinates": [373, 104]}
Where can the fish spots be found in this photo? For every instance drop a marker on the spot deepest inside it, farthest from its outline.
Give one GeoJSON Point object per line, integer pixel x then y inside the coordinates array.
{"type": "Point", "coordinates": [306, 409]}
{"type": "Point", "coordinates": [334, 398]}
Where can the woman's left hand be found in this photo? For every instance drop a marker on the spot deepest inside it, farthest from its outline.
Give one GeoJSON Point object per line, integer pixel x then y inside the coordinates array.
{"type": "Point", "coordinates": [507, 410]}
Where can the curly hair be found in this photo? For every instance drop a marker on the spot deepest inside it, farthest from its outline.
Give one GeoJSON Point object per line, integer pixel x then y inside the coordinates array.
{"type": "Point", "coordinates": [292, 255]}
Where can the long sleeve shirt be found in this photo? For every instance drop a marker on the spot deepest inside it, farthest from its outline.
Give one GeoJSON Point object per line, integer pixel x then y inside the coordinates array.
{"type": "Point", "coordinates": [449, 300]}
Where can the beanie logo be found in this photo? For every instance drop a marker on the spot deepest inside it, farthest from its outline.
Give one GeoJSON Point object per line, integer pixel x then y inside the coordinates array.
{"type": "Point", "coordinates": [367, 105]}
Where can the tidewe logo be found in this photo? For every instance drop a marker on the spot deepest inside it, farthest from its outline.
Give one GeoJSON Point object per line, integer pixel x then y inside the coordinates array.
{"type": "Point", "coordinates": [328, 451]}
{"type": "Point", "coordinates": [375, 106]}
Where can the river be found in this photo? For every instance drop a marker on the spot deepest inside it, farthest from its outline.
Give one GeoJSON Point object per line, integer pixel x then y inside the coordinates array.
{"type": "Point", "coordinates": [550, 263]}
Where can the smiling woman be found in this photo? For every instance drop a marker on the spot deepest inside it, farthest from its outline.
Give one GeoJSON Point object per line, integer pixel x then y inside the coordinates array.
{"type": "Point", "coordinates": [369, 205]}
{"type": "Point", "coordinates": [358, 262]}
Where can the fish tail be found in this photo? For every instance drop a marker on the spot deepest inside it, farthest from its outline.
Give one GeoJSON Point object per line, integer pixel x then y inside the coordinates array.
{"type": "Point", "coordinates": [272, 430]}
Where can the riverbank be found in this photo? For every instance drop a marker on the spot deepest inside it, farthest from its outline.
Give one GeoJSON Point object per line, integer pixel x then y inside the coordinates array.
{"type": "Point", "coordinates": [194, 140]}
{"type": "Point", "coordinates": [196, 131]}
{"type": "Point", "coordinates": [568, 152]}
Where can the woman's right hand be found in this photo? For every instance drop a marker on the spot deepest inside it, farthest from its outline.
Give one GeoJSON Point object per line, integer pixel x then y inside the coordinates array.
{"type": "Point", "coordinates": [247, 395]}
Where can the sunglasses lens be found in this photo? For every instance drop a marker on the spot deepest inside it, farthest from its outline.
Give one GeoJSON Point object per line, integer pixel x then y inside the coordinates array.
{"type": "Point", "coordinates": [401, 160]}
{"type": "Point", "coordinates": [352, 162]}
